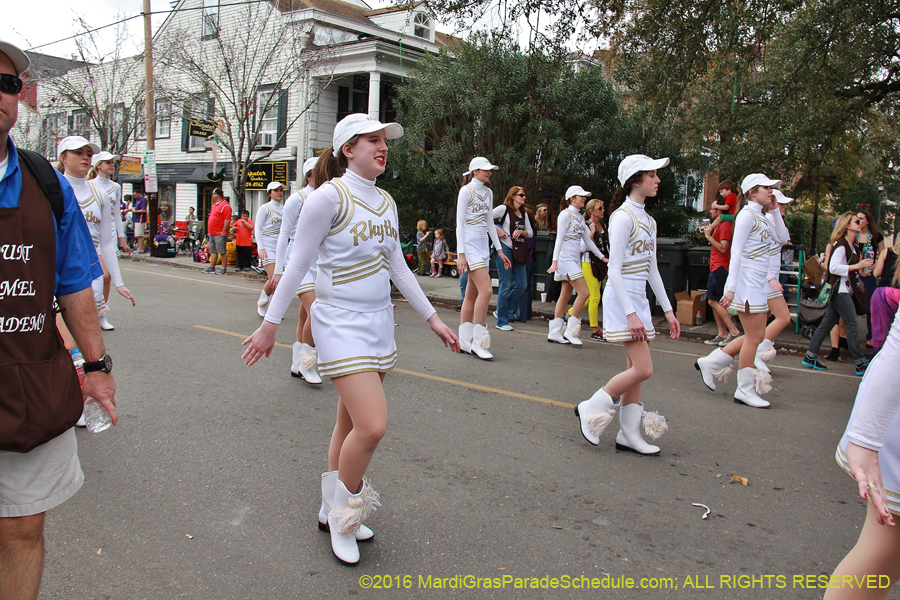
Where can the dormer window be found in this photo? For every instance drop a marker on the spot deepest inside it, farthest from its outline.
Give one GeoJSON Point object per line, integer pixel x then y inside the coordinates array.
{"type": "Point", "coordinates": [422, 26]}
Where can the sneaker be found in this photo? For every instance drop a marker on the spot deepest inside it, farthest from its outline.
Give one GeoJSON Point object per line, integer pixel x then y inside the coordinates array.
{"type": "Point", "coordinates": [715, 341]}
{"type": "Point", "coordinates": [209, 270]}
{"type": "Point", "coordinates": [597, 336]}
{"type": "Point", "coordinates": [458, 308]}
{"type": "Point", "coordinates": [727, 340]}
{"type": "Point", "coordinates": [861, 369]}
{"type": "Point", "coordinates": [221, 271]}
{"type": "Point", "coordinates": [504, 327]}
{"type": "Point", "coordinates": [813, 363]}
{"type": "Point", "coordinates": [495, 315]}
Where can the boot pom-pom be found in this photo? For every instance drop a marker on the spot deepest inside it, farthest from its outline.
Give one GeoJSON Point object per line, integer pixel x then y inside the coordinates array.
{"type": "Point", "coordinates": [763, 382]}
{"type": "Point", "coordinates": [485, 341]}
{"type": "Point", "coordinates": [576, 329]}
{"type": "Point", "coordinates": [359, 508]}
{"type": "Point", "coordinates": [370, 499]}
{"type": "Point", "coordinates": [654, 424]}
{"type": "Point", "coordinates": [597, 422]}
{"type": "Point", "coordinates": [768, 354]}
{"type": "Point", "coordinates": [103, 311]}
{"type": "Point", "coordinates": [309, 361]}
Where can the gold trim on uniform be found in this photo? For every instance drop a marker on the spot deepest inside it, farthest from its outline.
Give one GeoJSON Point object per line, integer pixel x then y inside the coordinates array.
{"type": "Point", "coordinates": [625, 335]}
{"type": "Point", "coordinates": [345, 208]}
{"type": "Point", "coordinates": [358, 364]}
{"type": "Point", "coordinates": [306, 287]}
{"type": "Point", "coordinates": [476, 266]}
{"type": "Point", "coordinates": [360, 271]}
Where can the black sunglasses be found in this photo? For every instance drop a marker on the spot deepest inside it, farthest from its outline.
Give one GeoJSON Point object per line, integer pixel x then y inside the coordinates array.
{"type": "Point", "coordinates": [10, 84]}
{"type": "Point", "coordinates": [522, 195]}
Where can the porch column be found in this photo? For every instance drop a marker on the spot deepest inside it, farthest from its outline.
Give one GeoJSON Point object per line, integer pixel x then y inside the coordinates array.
{"type": "Point", "coordinates": [374, 94]}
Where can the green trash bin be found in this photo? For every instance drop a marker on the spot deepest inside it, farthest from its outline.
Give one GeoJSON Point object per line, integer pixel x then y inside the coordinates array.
{"type": "Point", "coordinates": [698, 267]}
{"type": "Point", "coordinates": [543, 258]}
{"type": "Point", "coordinates": [671, 258]}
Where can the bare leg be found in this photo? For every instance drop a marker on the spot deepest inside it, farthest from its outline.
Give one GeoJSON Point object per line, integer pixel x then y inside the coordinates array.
{"type": "Point", "coordinates": [754, 332]}
{"type": "Point", "coordinates": [107, 280]}
{"type": "Point", "coordinates": [213, 260]}
{"type": "Point", "coordinates": [563, 301]}
{"type": "Point", "coordinates": [478, 298]}
{"type": "Point", "coordinates": [362, 396]}
{"type": "Point", "coordinates": [270, 271]}
{"type": "Point", "coordinates": [875, 553]}
{"type": "Point", "coordinates": [301, 321]}
{"type": "Point", "coordinates": [723, 319]}
{"type": "Point", "coordinates": [779, 308]}
{"type": "Point", "coordinates": [583, 296]}
{"type": "Point", "coordinates": [21, 556]}
{"type": "Point", "coordinates": [627, 384]}
{"type": "Point", "coordinates": [306, 336]}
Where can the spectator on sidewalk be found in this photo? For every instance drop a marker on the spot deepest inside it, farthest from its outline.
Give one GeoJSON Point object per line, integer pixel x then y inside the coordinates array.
{"type": "Point", "coordinates": [243, 241]}
{"type": "Point", "coordinates": [720, 254]}
{"type": "Point", "coordinates": [140, 212]}
{"type": "Point", "coordinates": [218, 225]}
{"type": "Point", "coordinates": [421, 247]}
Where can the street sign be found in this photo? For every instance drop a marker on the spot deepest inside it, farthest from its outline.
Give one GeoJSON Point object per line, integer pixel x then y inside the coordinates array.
{"type": "Point", "coordinates": [261, 174]}
{"type": "Point", "coordinates": [149, 164]}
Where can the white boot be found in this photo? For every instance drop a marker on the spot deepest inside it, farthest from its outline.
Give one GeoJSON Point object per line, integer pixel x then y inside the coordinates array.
{"type": "Point", "coordinates": [717, 365]}
{"type": "Point", "coordinates": [348, 512]}
{"type": "Point", "coordinates": [629, 436]}
{"type": "Point", "coordinates": [746, 390]}
{"type": "Point", "coordinates": [262, 304]}
{"type": "Point", "coordinates": [573, 328]}
{"type": "Point", "coordinates": [764, 353]}
{"type": "Point", "coordinates": [595, 414]}
{"type": "Point", "coordinates": [556, 331]}
{"type": "Point", "coordinates": [481, 342]}
{"type": "Point", "coordinates": [309, 365]}
{"type": "Point", "coordinates": [105, 325]}
{"type": "Point", "coordinates": [329, 480]}
{"type": "Point", "coordinates": [81, 422]}
{"type": "Point", "coordinates": [296, 353]}
{"type": "Point", "coordinates": [465, 337]}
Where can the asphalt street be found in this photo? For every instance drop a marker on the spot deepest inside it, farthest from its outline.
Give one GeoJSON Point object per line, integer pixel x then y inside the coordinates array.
{"type": "Point", "coordinates": [209, 486]}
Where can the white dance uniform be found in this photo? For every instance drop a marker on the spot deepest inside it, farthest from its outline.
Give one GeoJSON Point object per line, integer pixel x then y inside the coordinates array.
{"type": "Point", "coordinates": [780, 237]}
{"type": "Point", "coordinates": [266, 229]}
{"type": "Point", "coordinates": [632, 263]}
{"type": "Point", "coordinates": [473, 222]}
{"type": "Point", "coordinates": [353, 226]}
{"type": "Point", "coordinates": [95, 206]}
{"type": "Point", "coordinates": [289, 215]}
{"type": "Point", "coordinates": [874, 422]}
{"type": "Point", "coordinates": [115, 193]}
{"type": "Point", "coordinates": [571, 233]}
{"type": "Point", "coordinates": [749, 266]}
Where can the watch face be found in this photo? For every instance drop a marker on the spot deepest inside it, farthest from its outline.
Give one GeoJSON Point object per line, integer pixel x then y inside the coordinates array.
{"type": "Point", "coordinates": [107, 363]}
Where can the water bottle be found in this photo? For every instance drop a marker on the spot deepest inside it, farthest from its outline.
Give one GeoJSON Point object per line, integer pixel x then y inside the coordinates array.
{"type": "Point", "coordinates": [78, 359]}
{"type": "Point", "coordinates": [96, 418]}
{"type": "Point", "coordinates": [698, 318]}
{"type": "Point", "coordinates": [870, 253]}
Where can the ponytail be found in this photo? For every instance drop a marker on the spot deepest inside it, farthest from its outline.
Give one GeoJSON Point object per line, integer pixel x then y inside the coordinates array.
{"type": "Point", "coordinates": [563, 205]}
{"type": "Point", "coordinates": [60, 167]}
{"type": "Point", "coordinates": [92, 174]}
{"type": "Point", "coordinates": [328, 167]}
{"type": "Point", "coordinates": [467, 179]}
{"type": "Point", "coordinates": [622, 191]}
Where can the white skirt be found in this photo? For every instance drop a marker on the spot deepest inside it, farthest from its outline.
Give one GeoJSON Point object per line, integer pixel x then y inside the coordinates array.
{"type": "Point", "coordinates": [478, 250]}
{"type": "Point", "coordinates": [752, 289]}
{"type": "Point", "coordinates": [615, 323]}
{"type": "Point", "coordinates": [351, 342]}
{"type": "Point", "coordinates": [568, 271]}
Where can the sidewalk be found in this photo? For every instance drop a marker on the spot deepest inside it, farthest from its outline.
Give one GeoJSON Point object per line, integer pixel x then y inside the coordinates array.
{"type": "Point", "coordinates": [445, 292]}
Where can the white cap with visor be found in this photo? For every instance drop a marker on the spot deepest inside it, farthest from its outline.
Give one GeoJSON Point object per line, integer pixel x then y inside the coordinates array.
{"type": "Point", "coordinates": [359, 124]}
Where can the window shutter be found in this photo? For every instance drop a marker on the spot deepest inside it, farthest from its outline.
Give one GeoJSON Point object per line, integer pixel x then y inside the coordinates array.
{"type": "Point", "coordinates": [282, 118]}
{"type": "Point", "coordinates": [343, 102]}
{"type": "Point", "coordinates": [184, 128]}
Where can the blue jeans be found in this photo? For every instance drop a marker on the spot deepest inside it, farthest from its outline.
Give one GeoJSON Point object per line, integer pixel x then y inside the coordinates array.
{"type": "Point", "coordinates": [523, 310]}
{"type": "Point", "coordinates": [512, 284]}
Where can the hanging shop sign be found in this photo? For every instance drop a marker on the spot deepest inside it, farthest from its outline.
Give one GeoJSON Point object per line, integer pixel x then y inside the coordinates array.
{"type": "Point", "coordinates": [201, 128]}
{"type": "Point", "coordinates": [261, 174]}
{"type": "Point", "coordinates": [130, 165]}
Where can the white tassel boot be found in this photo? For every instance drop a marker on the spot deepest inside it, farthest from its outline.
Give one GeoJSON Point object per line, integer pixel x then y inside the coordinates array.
{"type": "Point", "coordinates": [348, 512]}
{"type": "Point", "coordinates": [481, 342]}
{"type": "Point", "coordinates": [573, 329]}
{"type": "Point", "coordinates": [717, 365]}
{"type": "Point", "coordinates": [105, 325]}
{"type": "Point", "coordinates": [262, 304]}
{"type": "Point", "coordinates": [746, 390]}
{"type": "Point", "coordinates": [296, 354]}
{"type": "Point", "coordinates": [629, 436]}
{"type": "Point", "coordinates": [465, 337]}
{"type": "Point", "coordinates": [329, 480]}
{"type": "Point", "coordinates": [309, 365]}
{"type": "Point", "coordinates": [556, 331]}
{"type": "Point", "coordinates": [764, 353]}
{"type": "Point", "coordinates": [594, 414]}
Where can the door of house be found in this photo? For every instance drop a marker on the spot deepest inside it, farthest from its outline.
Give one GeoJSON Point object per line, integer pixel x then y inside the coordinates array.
{"type": "Point", "coordinates": [204, 202]}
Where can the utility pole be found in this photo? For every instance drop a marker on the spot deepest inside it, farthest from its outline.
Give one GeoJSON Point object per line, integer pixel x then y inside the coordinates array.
{"type": "Point", "coordinates": [150, 129]}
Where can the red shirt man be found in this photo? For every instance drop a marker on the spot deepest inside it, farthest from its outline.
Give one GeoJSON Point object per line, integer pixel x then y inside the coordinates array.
{"type": "Point", "coordinates": [217, 226]}
{"type": "Point", "coordinates": [719, 257]}
{"type": "Point", "coordinates": [218, 215]}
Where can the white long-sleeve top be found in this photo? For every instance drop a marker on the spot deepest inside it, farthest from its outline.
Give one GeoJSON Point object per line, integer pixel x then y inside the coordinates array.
{"type": "Point", "coordinates": [632, 254]}
{"type": "Point", "coordinates": [115, 192]}
{"type": "Point", "coordinates": [289, 215]}
{"type": "Point", "coordinates": [505, 225]}
{"type": "Point", "coordinates": [750, 244]}
{"type": "Point", "coordinates": [878, 402]}
{"type": "Point", "coordinates": [473, 214]}
{"type": "Point", "coordinates": [352, 225]}
{"type": "Point", "coordinates": [839, 264]}
{"type": "Point", "coordinates": [95, 206]}
{"type": "Point", "coordinates": [571, 233]}
{"type": "Point", "coordinates": [780, 237]}
{"type": "Point", "coordinates": [268, 225]}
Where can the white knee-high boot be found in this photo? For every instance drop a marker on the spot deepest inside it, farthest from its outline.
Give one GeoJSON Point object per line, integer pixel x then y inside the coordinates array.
{"type": "Point", "coordinates": [594, 414]}
{"type": "Point", "coordinates": [309, 364]}
{"type": "Point", "coordinates": [629, 437]}
{"type": "Point", "coordinates": [329, 480]}
{"type": "Point", "coordinates": [556, 331]}
{"type": "Point", "coordinates": [465, 337]}
{"type": "Point", "coordinates": [296, 353]}
{"type": "Point", "coordinates": [717, 365]}
{"type": "Point", "coordinates": [481, 342]}
{"type": "Point", "coordinates": [348, 512]}
{"type": "Point", "coordinates": [262, 305]}
{"type": "Point", "coordinates": [746, 390]}
{"type": "Point", "coordinates": [764, 353]}
{"type": "Point", "coordinates": [573, 329]}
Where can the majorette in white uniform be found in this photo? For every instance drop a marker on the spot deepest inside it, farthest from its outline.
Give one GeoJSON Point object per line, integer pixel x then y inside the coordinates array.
{"type": "Point", "coordinates": [266, 229]}
{"type": "Point", "coordinates": [749, 266]}
{"type": "Point", "coordinates": [474, 223]}
{"type": "Point", "coordinates": [113, 189]}
{"type": "Point", "coordinates": [291, 212]}
{"type": "Point", "coordinates": [359, 254]}
{"type": "Point", "coordinates": [571, 233]}
{"type": "Point", "coordinates": [632, 263]}
{"type": "Point", "coordinates": [780, 237]}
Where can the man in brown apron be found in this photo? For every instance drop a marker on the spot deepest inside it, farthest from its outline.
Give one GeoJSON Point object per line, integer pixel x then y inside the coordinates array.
{"type": "Point", "coordinates": [45, 252]}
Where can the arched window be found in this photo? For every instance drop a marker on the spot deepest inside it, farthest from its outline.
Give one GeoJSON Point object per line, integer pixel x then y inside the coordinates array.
{"type": "Point", "coordinates": [422, 26]}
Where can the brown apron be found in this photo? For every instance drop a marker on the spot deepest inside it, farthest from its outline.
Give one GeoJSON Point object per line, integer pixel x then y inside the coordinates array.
{"type": "Point", "coordinates": [520, 252]}
{"type": "Point", "coordinates": [39, 393]}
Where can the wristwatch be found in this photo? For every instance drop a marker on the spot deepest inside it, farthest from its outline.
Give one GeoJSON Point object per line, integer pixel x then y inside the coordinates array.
{"type": "Point", "coordinates": [105, 364]}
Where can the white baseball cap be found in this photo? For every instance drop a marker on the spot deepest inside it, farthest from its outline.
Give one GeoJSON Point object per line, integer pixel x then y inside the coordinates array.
{"type": "Point", "coordinates": [639, 162]}
{"type": "Point", "coordinates": [74, 142]}
{"type": "Point", "coordinates": [104, 155]}
{"type": "Point", "coordinates": [309, 164]}
{"type": "Point", "coordinates": [480, 163]}
{"type": "Point", "coordinates": [19, 59]}
{"type": "Point", "coordinates": [755, 179]}
{"type": "Point", "coordinates": [781, 198]}
{"type": "Point", "coordinates": [577, 190]}
{"type": "Point", "coordinates": [358, 124]}
{"type": "Point", "coordinates": [274, 186]}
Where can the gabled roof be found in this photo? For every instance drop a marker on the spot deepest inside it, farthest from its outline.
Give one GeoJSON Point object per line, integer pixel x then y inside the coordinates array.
{"type": "Point", "coordinates": [391, 9]}
{"type": "Point", "coordinates": [335, 7]}
{"type": "Point", "coordinates": [44, 65]}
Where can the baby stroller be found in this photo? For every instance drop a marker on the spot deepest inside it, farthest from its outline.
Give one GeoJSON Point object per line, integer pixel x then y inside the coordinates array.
{"type": "Point", "coordinates": [810, 313]}
{"type": "Point", "coordinates": [193, 238]}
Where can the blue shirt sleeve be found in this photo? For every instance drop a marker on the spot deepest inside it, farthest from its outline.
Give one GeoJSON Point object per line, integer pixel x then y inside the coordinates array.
{"type": "Point", "coordinates": [77, 263]}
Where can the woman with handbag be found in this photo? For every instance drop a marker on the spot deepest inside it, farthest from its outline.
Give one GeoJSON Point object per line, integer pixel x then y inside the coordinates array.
{"type": "Point", "coordinates": [571, 233]}
{"type": "Point", "coordinates": [593, 268]}
{"type": "Point", "coordinates": [512, 229]}
{"type": "Point", "coordinates": [846, 300]}
{"type": "Point", "coordinates": [871, 244]}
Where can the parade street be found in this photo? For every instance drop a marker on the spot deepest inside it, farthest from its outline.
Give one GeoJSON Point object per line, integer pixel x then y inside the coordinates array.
{"type": "Point", "coordinates": [209, 486]}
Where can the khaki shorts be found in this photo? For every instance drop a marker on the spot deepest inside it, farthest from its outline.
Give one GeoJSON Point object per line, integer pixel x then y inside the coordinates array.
{"type": "Point", "coordinates": [217, 244]}
{"type": "Point", "coordinates": [36, 481]}
{"type": "Point", "coordinates": [139, 230]}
